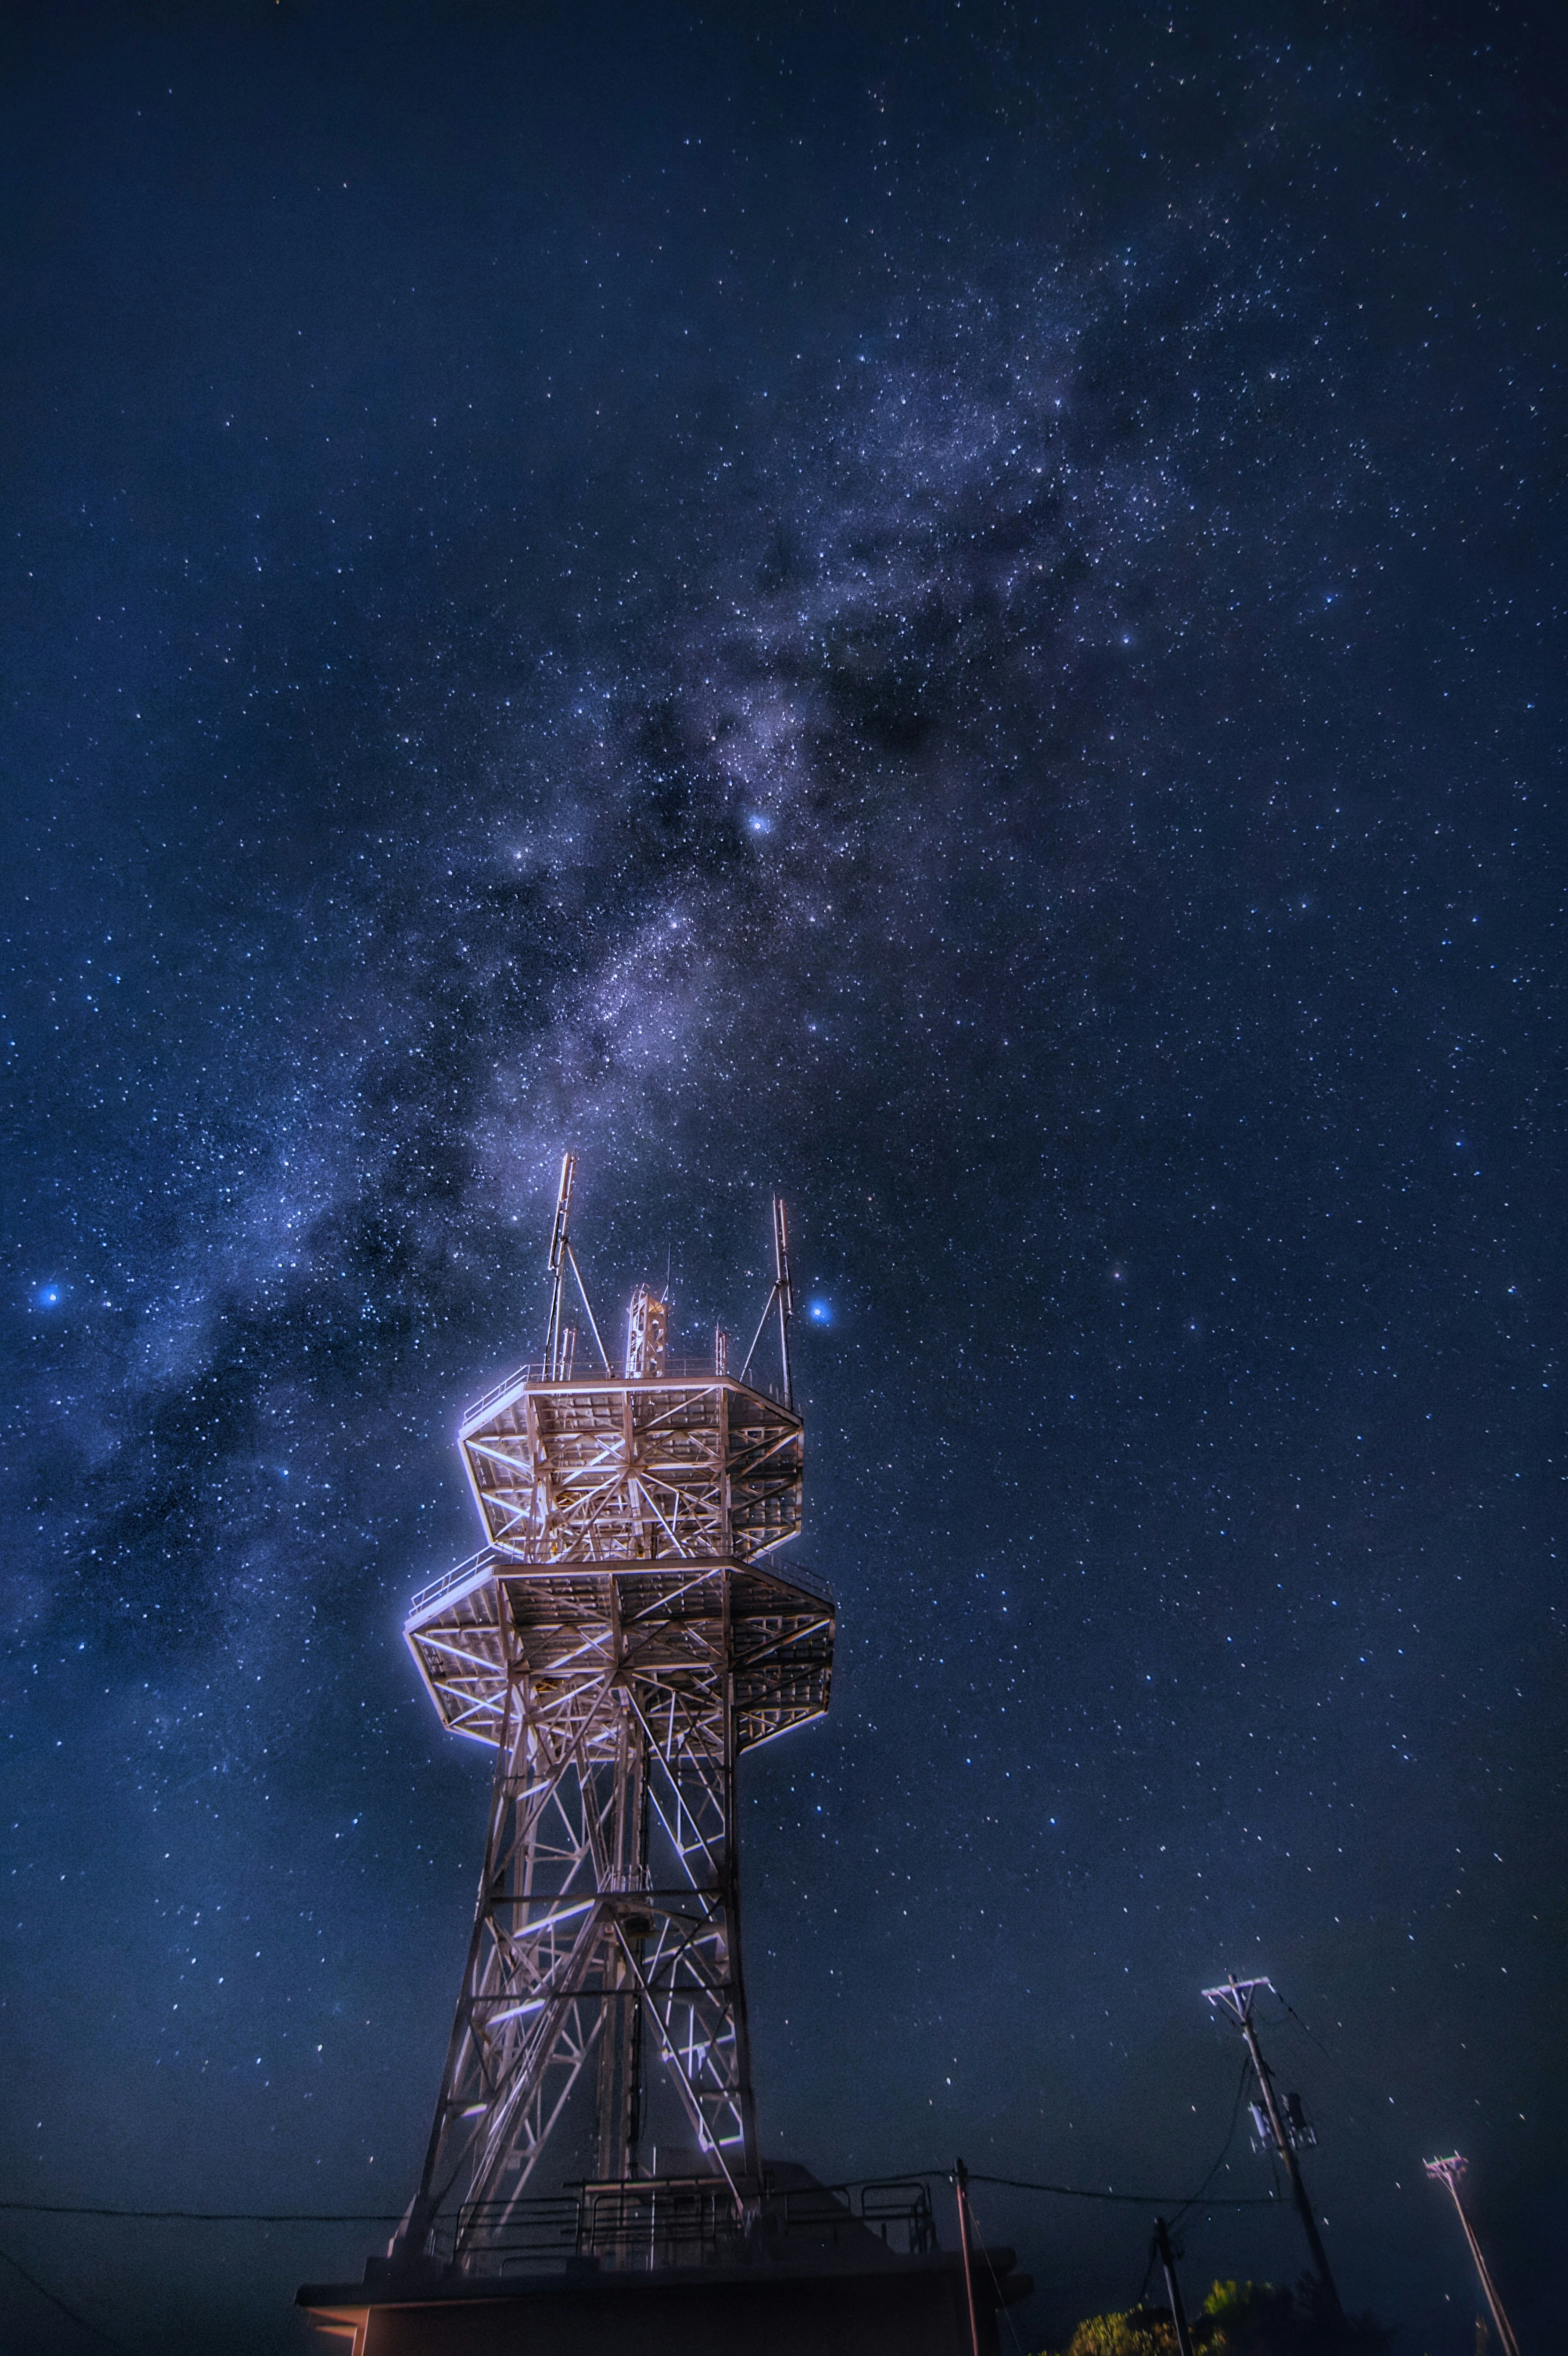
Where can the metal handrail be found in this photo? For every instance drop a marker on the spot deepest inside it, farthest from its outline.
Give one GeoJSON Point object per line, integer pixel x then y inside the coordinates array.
{"type": "Point", "coordinates": [650, 2221]}
{"type": "Point", "coordinates": [458, 1577]}
{"type": "Point", "coordinates": [700, 1371]}
{"type": "Point", "coordinates": [793, 1574]}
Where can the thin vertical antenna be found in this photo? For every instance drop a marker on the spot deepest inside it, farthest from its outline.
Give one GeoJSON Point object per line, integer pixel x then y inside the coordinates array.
{"type": "Point", "coordinates": [782, 1290]}
{"type": "Point", "coordinates": [560, 1342]}
{"type": "Point", "coordinates": [1236, 1999]}
{"type": "Point", "coordinates": [781, 1298]}
{"type": "Point", "coordinates": [559, 1251]}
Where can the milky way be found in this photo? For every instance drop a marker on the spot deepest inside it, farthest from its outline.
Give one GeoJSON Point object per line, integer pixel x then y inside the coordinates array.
{"type": "Point", "coordinates": [961, 628]}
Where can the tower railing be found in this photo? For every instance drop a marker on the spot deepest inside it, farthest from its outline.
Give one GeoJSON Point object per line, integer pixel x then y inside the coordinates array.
{"type": "Point", "coordinates": [645, 2222]}
{"type": "Point", "coordinates": [586, 1373]}
{"type": "Point", "coordinates": [488, 1558]}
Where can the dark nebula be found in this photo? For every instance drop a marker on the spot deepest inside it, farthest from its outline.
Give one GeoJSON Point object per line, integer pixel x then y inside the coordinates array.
{"type": "Point", "coordinates": [956, 612]}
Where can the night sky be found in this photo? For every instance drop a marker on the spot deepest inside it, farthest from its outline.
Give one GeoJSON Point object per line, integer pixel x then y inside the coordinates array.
{"type": "Point", "coordinates": [953, 609]}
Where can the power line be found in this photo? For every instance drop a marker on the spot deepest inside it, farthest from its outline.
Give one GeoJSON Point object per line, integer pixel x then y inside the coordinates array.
{"type": "Point", "coordinates": [1230, 2139]}
{"type": "Point", "coordinates": [386, 2217]}
{"type": "Point", "coordinates": [1310, 2033]}
{"type": "Point", "coordinates": [54, 2300]}
{"type": "Point", "coordinates": [209, 2216]}
{"type": "Point", "coordinates": [392, 2217]}
{"type": "Point", "coordinates": [1138, 2199]}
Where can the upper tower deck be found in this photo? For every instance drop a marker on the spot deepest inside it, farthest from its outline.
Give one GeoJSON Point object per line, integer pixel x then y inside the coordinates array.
{"type": "Point", "coordinates": [682, 1464]}
{"type": "Point", "coordinates": [632, 1513]}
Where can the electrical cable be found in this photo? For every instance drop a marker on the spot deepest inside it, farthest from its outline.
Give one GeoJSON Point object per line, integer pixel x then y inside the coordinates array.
{"type": "Point", "coordinates": [93, 2329]}
{"type": "Point", "coordinates": [1230, 2139]}
{"type": "Point", "coordinates": [393, 2217]}
{"type": "Point", "coordinates": [1138, 2199]}
{"type": "Point", "coordinates": [1347, 2075]}
{"type": "Point", "coordinates": [1149, 2269]}
{"type": "Point", "coordinates": [1307, 2032]}
{"type": "Point", "coordinates": [210, 2216]}
{"type": "Point", "coordinates": [387, 2217]}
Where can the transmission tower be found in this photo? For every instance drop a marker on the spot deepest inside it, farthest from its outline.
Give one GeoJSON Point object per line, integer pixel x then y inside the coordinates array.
{"type": "Point", "coordinates": [619, 1639]}
{"type": "Point", "coordinates": [1285, 2128]}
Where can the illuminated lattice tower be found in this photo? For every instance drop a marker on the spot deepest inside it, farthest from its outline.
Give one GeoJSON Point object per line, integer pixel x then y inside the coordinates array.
{"type": "Point", "coordinates": [621, 1638]}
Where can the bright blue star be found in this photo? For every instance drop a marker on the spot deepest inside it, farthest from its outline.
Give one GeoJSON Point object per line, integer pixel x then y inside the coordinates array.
{"type": "Point", "coordinates": [47, 1296]}
{"type": "Point", "coordinates": [819, 1312]}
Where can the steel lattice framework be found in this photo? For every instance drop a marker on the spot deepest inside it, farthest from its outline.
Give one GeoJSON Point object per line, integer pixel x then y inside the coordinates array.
{"type": "Point", "coordinates": [619, 1640]}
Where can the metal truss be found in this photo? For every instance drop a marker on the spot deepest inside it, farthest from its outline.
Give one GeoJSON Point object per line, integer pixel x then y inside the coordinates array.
{"type": "Point", "coordinates": [633, 1469]}
{"type": "Point", "coordinates": [619, 1642]}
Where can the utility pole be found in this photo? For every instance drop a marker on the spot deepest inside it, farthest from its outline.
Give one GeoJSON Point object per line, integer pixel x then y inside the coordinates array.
{"type": "Point", "coordinates": [1172, 2288]}
{"type": "Point", "coordinates": [967, 2244]}
{"type": "Point", "coordinates": [1236, 1999]}
{"type": "Point", "coordinates": [1450, 2172]}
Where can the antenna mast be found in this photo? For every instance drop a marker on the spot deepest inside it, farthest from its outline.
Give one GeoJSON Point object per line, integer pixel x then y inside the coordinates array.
{"type": "Point", "coordinates": [556, 1353]}
{"type": "Point", "coordinates": [561, 1339]}
{"type": "Point", "coordinates": [781, 1298]}
{"type": "Point", "coordinates": [1450, 2172]}
{"type": "Point", "coordinates": [782, 1292]}
{"type": "Point", "coordinates": [1236, 1999]}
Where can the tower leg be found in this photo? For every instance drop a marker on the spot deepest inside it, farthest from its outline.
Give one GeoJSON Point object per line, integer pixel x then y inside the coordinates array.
{"type": "Point", "coordinates": [606, 1929]}
{"type": "Point", "coordinates": [620, 2039]}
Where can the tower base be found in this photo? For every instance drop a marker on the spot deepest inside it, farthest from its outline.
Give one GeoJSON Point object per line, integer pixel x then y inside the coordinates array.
{"type": "Point", "coordinates": [915, 2307]}
{"type": "Point", "coordinates": [814, 2276]}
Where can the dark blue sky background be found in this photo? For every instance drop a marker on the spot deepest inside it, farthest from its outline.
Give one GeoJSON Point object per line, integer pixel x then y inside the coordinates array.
{"type": "Point", "coordinates": [956, 609]}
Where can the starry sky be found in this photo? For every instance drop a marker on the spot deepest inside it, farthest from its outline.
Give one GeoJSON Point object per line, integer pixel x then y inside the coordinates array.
{"type": "Point", "coordinates": [954, 609]}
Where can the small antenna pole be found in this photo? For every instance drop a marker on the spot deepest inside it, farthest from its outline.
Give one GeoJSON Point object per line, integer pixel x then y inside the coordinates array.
{"type": "Point", "coordinates": [1450, 2172]}
{"type": "Point", "coordinates": [559, 1251]}
{"type": "Point", "coordinates": [782, 1293]}
{"type": "Point", "coordinates": [781, 1298]}
{"type": "Point", "coordinates": [560, 1341]}
{"type": "Point", "coordinates": [1236, 1999]}
{"type": "Point", "coordinates": [1172, 2288]}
